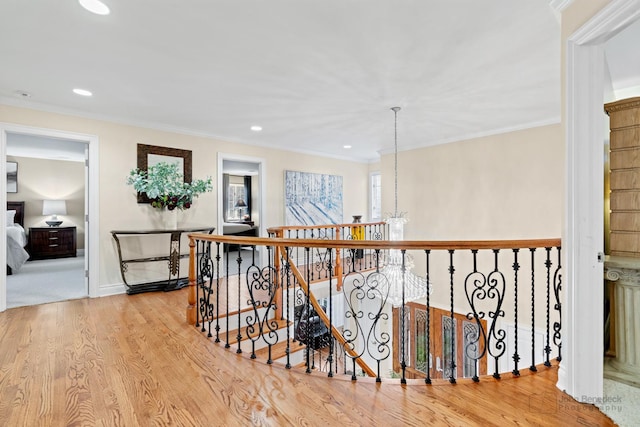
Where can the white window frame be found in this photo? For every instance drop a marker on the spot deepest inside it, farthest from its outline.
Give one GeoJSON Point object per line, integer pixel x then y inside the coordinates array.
{"type": "Point", "coordinates": [375, 194]}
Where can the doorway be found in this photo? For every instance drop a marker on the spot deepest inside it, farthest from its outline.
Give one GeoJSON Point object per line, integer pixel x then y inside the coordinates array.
{"type": "Point", "coordinates": [581, 369]}
{"type": "Point", "coordinates": [252, 170]}
{"type": "Point", "coordinates": [52, 151]}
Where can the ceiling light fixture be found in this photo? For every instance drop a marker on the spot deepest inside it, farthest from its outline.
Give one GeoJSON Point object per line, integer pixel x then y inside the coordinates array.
{"type": "Point", "coordinates": [346, 146]}
{"type": "Point", "coordinates": [401, 284]}
{"type": "Point", "coordinates": [95, 6]}
{"type": "Point", "coordinates": [256, 128]}
{"type": "Point", "coordinates": [82, 92]}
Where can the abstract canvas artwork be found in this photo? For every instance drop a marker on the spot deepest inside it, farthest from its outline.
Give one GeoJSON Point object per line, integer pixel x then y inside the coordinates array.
{"type": "Point", "coordinates": [311, 198]}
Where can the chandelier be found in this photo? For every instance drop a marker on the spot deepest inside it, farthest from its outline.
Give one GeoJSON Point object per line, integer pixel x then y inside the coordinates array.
{"type": "Point", "coordinates": [397, 281]}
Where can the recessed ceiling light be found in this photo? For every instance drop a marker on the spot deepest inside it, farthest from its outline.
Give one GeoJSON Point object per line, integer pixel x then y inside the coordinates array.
{"type": "Point", "coordinates": [23, 94]}
{"type": "Point", "coordinates": [256, 128]}
{"type": "Point", "coordinates": [346, 146]}
{"type": "Point", "coordinates": [95, 6]}
{"type": "Point", "coordinates": [82, 92]}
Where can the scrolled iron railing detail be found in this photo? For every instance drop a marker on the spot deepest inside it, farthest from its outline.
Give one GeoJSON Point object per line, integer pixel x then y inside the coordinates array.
{"type": "Point", "coordinates": [205, 281]}
{"type": "Point", "coordinates": [357, 293]}
{"type": "Point", "coordinates": [496, 336]}
{"type": "Point", "coordinates": [377, 341]}
{"type": "Point", "coordinates": [475, 289]}
{"type": "Point", "coordinates": [262, 289]}
{"type": "Point", "coordinates": [268, 288]}
{"type": "Point", "coordinates": [557, 325]}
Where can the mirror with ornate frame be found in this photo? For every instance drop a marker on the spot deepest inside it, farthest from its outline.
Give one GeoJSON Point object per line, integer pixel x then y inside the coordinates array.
{"type": "Point", "coordinates": [149, 155]}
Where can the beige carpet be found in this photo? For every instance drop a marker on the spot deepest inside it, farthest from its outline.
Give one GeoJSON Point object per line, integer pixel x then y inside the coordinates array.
{"type": "Point", "coordinates": [44, 281]}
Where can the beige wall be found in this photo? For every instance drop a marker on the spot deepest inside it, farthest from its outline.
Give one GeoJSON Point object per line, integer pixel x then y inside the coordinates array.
{"type": "Point", "coordinates": [117, 154]}
{"type": "Point", "coordinates": [506, 186]}
{"type": "Point", "coordinates": [40, 179]}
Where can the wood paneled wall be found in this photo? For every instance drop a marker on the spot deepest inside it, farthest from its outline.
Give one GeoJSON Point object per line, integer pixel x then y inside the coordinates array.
{"type": "Point", "coordinates": [624, 124]}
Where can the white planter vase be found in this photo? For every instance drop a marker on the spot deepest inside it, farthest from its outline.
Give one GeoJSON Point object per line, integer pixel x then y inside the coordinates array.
{"type": "Point", "coordinates": [170, 219]}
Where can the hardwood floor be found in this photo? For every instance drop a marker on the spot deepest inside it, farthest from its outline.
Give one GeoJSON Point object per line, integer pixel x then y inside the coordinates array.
{"type": "Point", "coordinates": [133, 361]}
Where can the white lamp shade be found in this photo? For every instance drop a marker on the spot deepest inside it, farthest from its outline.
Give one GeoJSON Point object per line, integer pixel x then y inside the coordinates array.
{"type": "Point", "coordinates": [54, 207]}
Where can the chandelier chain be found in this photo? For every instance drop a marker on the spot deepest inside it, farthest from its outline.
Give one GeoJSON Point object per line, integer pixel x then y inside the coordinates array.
{"type": "Point", "coordinates": [395, 165]}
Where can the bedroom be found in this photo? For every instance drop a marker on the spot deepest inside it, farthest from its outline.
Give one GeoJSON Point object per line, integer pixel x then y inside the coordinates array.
{"type": "Point", "coordinates": [45, 264]}
{"type": "Point", "coordinates": [241, 197]}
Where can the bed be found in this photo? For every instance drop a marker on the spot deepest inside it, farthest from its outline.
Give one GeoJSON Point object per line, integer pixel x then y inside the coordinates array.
{"type": "Point", "coordinates": [238, 229]}
{"type": "Point", "coordinates": [16, 237]}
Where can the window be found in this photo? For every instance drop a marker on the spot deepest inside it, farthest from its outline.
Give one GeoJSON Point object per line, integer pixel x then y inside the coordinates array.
{"type": "Point", "coordinates": [457, 339]}
{"type": "Point", "coordinates": [237, 198]}
{"type": "Point", "coordinates": [375, 196]}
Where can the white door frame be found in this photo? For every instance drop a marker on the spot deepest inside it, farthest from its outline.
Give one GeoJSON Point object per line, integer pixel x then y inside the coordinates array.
{"type": "Point", "coordinates": [91, 193]}
{"type": "Point", "coordinates": [262, 173]}
{"type": "Point", "coordinates": [581, 369]}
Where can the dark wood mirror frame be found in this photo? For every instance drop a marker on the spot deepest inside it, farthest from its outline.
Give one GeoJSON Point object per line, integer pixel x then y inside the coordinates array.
{"type": "Point", "coordinates": [143, 161]}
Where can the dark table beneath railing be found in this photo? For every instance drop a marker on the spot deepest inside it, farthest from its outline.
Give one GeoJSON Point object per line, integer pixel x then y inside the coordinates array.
{"type": "Point", "coordinates": [174, 280]}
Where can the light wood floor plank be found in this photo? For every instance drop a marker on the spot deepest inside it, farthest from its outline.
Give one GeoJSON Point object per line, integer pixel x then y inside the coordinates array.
{"type": "Point", "coordinates": [131, 360]}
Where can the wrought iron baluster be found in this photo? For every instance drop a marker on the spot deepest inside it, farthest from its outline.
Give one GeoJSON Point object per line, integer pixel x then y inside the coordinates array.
{"type": "Point", "coordinates": [227, 295]}
{"type": "Point", "coordinates": [217, 273]}
{"type": "Point", "coordinates": [547, 347]}
{"type": "Point", "coordinates": [403, 362]}
{"type": "Point", "coordinates": [204, 270]}
{"type": "Point", "coordinates": [533, 311]}
{"type": "Point", "coordinates": [452, 375]}
{"type": "Point", "coordinates": [557, 287]}
{"type": "Point", "coordinates": [287, 280]}
{"type": "Point", "coordinates": [428, 328]}
{"type": "Point", "coordinates": [239, 271]}
{"type": "Point", "coordinates": [308, 255]}
{"type": "Point", "coordinates": [330, 308]}
{"type": "Point", "coordinates": [516, 268]}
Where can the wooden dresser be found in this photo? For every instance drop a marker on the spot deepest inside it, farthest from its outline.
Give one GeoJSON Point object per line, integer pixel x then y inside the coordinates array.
{"type": "Point", "coordinates": [52, 242]}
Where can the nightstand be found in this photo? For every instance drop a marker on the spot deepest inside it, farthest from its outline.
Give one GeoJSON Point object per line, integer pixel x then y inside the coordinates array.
{"type": "Point", "coordinates": [52, 242]}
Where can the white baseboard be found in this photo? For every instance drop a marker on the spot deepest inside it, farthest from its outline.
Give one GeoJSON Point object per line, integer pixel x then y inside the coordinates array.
{"type": "Point", "coordinates": [115, 289]}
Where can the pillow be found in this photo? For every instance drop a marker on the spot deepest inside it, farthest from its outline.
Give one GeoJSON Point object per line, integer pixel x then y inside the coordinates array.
{"type": "Point", "coordinates": [11, 215]}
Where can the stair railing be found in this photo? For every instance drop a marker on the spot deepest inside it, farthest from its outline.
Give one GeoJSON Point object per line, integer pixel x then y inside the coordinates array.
{"type": "Point", "coordinates": [492, 273]}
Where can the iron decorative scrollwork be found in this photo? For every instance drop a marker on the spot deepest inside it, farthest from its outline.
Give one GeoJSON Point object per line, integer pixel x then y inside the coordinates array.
{"type": "Point", "coordinates": [365, 335]}
{"type": "Point", "coordinates": [261, 323]}
{"type": "Point", "coordinates": [474, 286]}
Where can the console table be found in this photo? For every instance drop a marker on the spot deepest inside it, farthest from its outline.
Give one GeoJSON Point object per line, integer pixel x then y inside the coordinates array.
{"type": "Point", "coordinates": [173, 258]}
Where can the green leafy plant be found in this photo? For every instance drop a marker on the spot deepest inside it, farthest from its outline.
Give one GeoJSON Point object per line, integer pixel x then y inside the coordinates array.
{"type": "Point", "coordinates": [164, 185]}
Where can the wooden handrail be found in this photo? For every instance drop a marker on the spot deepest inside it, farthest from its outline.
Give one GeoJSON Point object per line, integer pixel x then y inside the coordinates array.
{"type": "Point", "coordinates": [281, 229]}
{"type": "Point", "coordinates": [381, 244]}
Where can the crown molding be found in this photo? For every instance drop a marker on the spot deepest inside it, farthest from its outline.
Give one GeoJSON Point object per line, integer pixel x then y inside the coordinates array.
{"type": "Point", "coordinates": [559, 5]}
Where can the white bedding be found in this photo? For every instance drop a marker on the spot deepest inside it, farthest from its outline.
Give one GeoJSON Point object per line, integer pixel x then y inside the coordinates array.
{"type": "Point", "coordinates": [16, 241]}
{"type": "Point", "coordinates": [235, 227]}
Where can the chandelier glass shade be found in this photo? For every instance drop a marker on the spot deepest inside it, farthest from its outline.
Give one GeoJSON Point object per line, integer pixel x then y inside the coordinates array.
{"type": "Point", "coordinates": [397, 281]}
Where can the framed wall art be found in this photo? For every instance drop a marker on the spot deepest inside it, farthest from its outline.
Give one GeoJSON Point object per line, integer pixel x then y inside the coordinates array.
{"type": "Point", "coordinates": [312, 198]}
{"type": "Point", "coordinates": [149, 155]}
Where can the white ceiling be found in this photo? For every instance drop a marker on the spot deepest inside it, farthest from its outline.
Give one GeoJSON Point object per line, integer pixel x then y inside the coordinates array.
{"type": "Point", "coordinates": [315, 75]}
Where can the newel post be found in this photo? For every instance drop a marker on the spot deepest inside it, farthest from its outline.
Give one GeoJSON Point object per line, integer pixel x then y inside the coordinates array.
{"type": "Point", "coordinates": [191, 294]}
{"type": "Point", "coordinates": [279, 285]}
